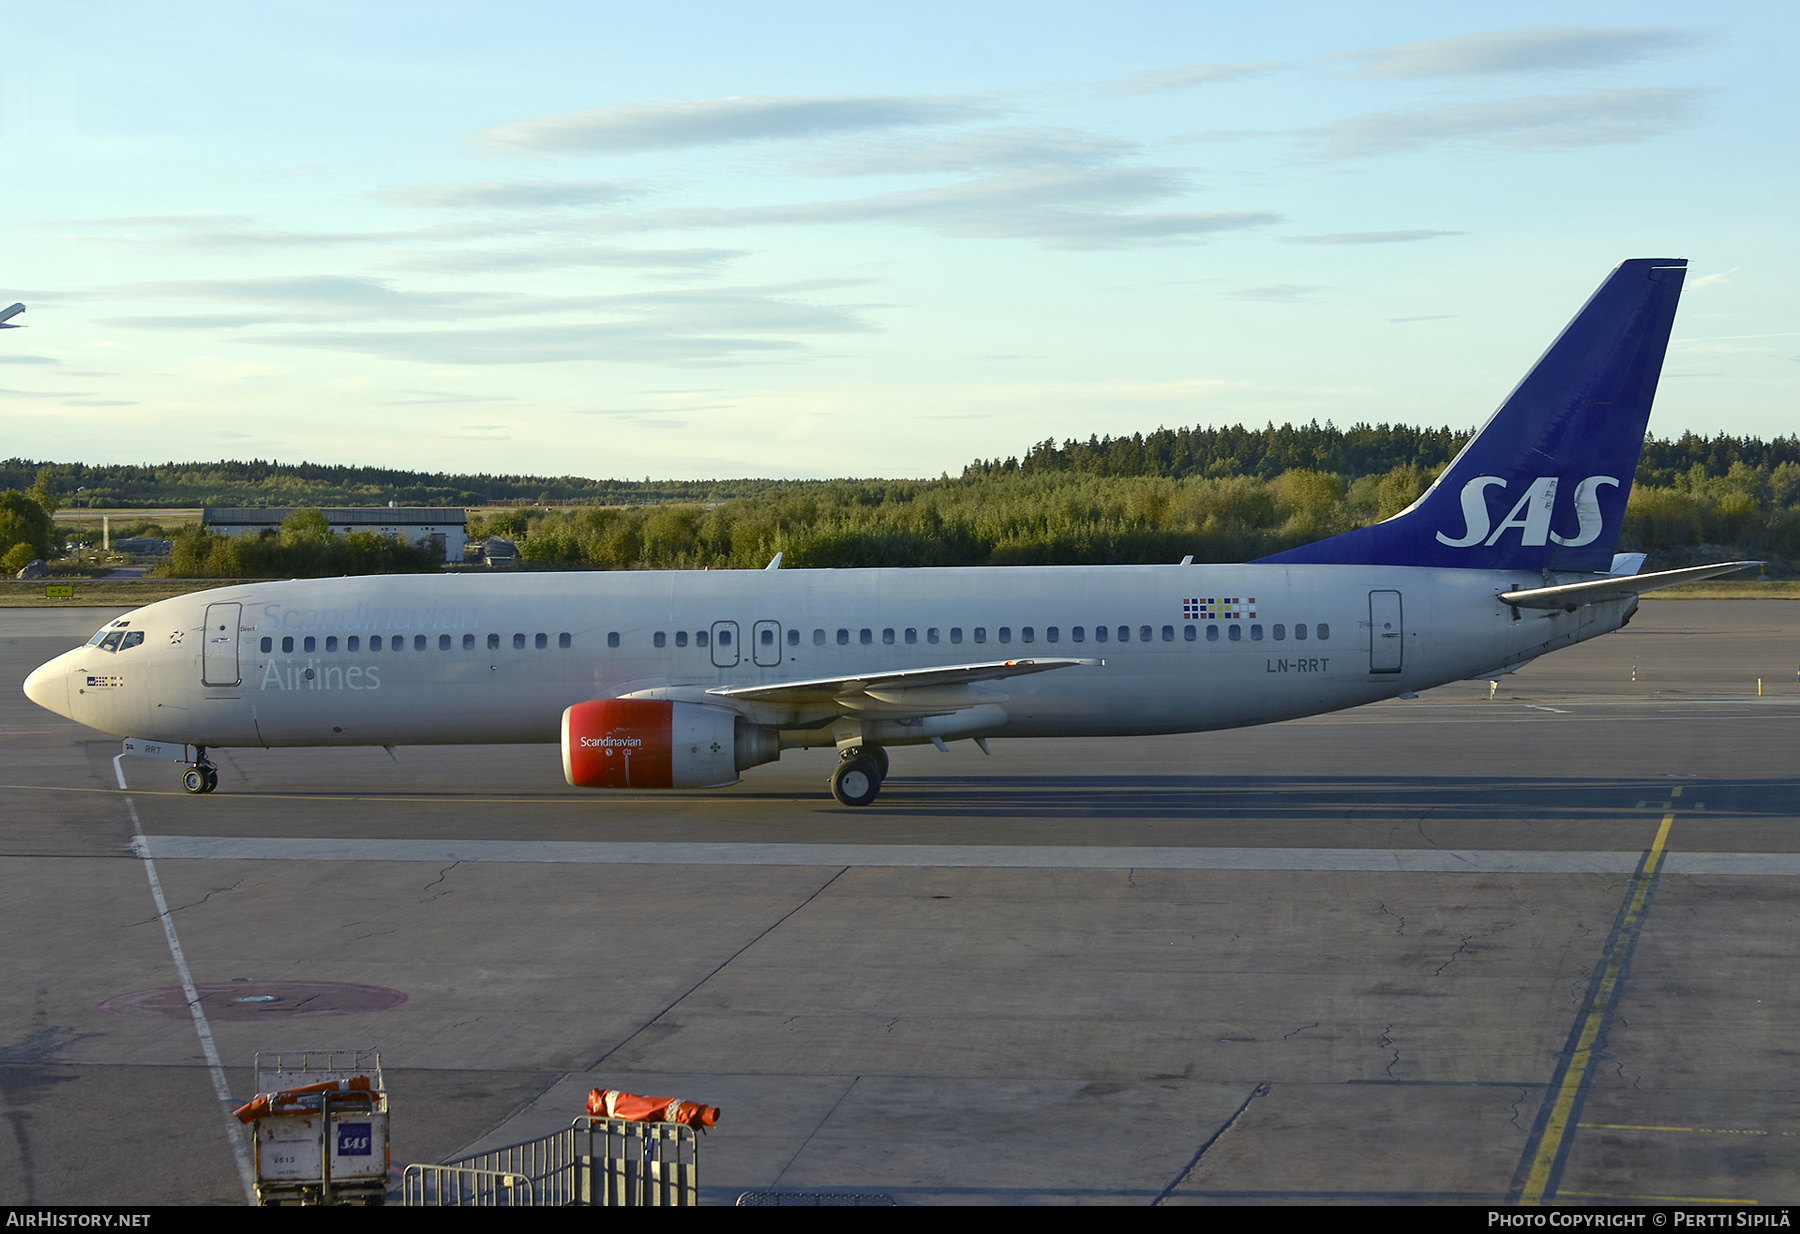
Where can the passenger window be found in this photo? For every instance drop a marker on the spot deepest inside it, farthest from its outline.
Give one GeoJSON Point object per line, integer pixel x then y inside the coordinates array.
{"type": "Point", "coordinates": [308, 644]}
{"type": "Point", "coordinates": [768, 638]}
{"type": "Point", "coordinates": [443, 642]}
{"type": "Point", "coordinates": [1168, 634]}
{"type": "Point", "coordinates": [1078, 633]}
{"type": "Point", "coordinates": [418, 642]}
{"type": "Point", "coordinates": [331, 642]}
{"type": "Point", "coordinates": [1234, 632]}
{"type": "Point", "coordinates": [681, 638]}
{"type": "Point", "coordinates": [1187, 632]}
{"type": "Point", "coordinates": [1051, 634]}
{"type": "Point", "coordinates": [699, 638]}
{"type": "Point", "coordinates": [659, 639]}
{"type": "Point", "coordinates": [1212, 634]}
{"type": "Point", "coordinates": [724, 638]}
{"type": "Point", "coordinates": [956, 634]}
{"type": "Point", "coordinates": [1026, 634]}
{"type": "Point", "coordinates": [541, 642]}
{"type": "Point", "coordinates": [518, 642]}
{"type": "Point", "coordinates": [1143, 634]}
{"type": "Point", "coordinates": [563, 640]}
{"type": "Point", "coordinates": [1256, 634]}
{"type": "Point", "coordinates": [374, 642]}
{"type": "Point", "coordinates": [866, 636]}
{"type": "Point", "coordinates": [268, 644]}
{"type": "Point", "coordinates": [612, 638]}
{"type": "Point", "coordinates": [396, 642]}
{"type": "Point", "coordinates": [1280, 633]}
{"type": "Point", "coordinates": [1323, 630]}
{"type": "Point", "coordinates": [981, 634]}
{"type": "Point", "coordinates": [468, 642]}
{"type": "Point", "coordinates": [350, 644]}
{"type": "Point", "coordinates": [1099, 634]}
{"type": "Point", "coordinates": [112, 642]}
{"type": "Point", "coordinates": [931, 634]}
{"type": "Point", "coordinates": [493, 642]}
{"type": "Point", "coordinates": [912, 635]}
{"type": "Point", "coordinates": [1300, 632]}
{"type": "Point", "coordinates": [793, 638]}
{"type": "Point", "coordinates": [887, 636]}
{"type": "Point", "coordinates": [818, 638]}
{"type": "Point", "coordinates": [1005, 634]}
{"type": "Point", "coordinates": [843, 638]}
{"type": "Point", "coordinates": [1125, 634]}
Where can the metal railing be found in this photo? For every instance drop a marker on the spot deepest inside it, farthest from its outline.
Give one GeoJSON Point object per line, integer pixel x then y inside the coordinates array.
{"type": "Point", "coordinates": [599, 1161]}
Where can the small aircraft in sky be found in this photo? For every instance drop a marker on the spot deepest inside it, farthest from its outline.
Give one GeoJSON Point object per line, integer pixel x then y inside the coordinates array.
{"type": "Point", "coordinates": [682, 679]}
{"type": "Point", "coordinates": [8, 313]}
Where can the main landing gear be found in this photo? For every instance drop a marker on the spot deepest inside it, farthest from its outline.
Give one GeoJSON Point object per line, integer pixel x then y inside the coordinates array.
{"type": "Point", "coordinates": [857, 778]}
{"type": "Point", "coordinates": [202, 777]}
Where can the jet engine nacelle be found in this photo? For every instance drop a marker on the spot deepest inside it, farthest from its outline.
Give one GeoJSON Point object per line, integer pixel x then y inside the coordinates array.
{"type": "Point", "coordinates": [652, 743]}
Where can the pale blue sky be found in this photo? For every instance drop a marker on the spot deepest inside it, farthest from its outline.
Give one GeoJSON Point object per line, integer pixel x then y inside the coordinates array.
{"type": "Point", "coordinates": [810, 240]}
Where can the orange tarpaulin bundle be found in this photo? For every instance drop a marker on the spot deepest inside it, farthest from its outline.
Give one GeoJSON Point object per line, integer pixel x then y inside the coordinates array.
{"type": "Point", "coordinates": [611, 1103]}
{"type": "Point", "coordinates": [356, 1088]}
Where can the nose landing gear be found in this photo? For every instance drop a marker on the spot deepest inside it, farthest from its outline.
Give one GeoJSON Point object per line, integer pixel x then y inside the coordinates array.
{"type": "Point", "coordinates": [202, 777]}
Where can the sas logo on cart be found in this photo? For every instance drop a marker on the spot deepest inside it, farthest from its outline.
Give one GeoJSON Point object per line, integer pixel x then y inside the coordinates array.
{"type": "Point", "coordinates": [1530, 515]}
{"type": "Point", "coordinates": [103, 682]}
{"type": "Point", "coordinates": [354, 1140]}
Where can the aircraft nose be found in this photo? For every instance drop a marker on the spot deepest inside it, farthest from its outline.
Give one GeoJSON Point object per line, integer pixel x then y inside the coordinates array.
{"type": "Point", "coordinates": [48, 687]}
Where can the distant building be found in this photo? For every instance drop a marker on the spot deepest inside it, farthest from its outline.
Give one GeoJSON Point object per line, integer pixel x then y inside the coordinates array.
{"type": "Point", "coordinates": [143, 546]}
{"type": "Point", "coordinates": [446, 527]}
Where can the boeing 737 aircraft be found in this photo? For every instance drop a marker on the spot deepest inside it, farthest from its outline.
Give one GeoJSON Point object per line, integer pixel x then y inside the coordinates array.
{"type": "Point", "coordinates": [684, 679]}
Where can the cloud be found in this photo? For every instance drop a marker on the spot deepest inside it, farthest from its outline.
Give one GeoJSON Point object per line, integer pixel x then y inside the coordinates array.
{"type": "Point", "coordinates": [1539, 122]}
{"type": "Point", "coordinates": [1369, 237]}
{"type": "Point", "coordinates": [1532, 50]}
{"type": "Point", "coordinates": [573, 256]}
{"type": "Point", "coordinates": [514, 195]}
{"type": "Point", "coordinates": [1279, 293]}
{"type": "Point", "coordinates": [989, 150]}
{"type": "Point", "coordinates": [28, 360]}
{"type": "Point", "coordinates": [1190, 76]}
{"type": "Point", "coordinates": [1430, 317]}
{"type": "Point", "coordinates": [1079, 209]}
{"type": "Point", "coordinates": [708, 122]}
{"type": "Point", "coordinates": [710, 326]}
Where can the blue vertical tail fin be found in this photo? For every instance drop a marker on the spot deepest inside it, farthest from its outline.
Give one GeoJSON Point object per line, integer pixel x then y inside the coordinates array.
{"type": "Point", "coordinates": [1543, 484]}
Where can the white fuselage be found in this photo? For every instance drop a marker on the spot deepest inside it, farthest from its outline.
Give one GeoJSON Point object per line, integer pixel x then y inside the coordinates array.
{"type": "Point", "coordinates": [485, 659]}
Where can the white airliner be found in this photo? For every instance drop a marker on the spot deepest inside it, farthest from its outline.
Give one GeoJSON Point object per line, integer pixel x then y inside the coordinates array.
{"type": "Point", "coordinates": [684, 679]}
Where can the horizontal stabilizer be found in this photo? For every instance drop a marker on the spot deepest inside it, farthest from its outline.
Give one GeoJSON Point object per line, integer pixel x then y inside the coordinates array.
{"type": "Point", "coordinates": [827, 689]}
{"type": "Point", "coordinates": [1613, 587]}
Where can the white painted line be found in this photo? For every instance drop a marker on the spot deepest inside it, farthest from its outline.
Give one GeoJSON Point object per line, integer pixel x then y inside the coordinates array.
{"type": "Point", "coordinates": [1064, 857]}
{"type": "Point", "coordinates": [233, 1129]}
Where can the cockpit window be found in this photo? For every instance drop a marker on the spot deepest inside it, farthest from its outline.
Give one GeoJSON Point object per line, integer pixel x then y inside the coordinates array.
{"type": "Point", "coordinates": [132, 639]}
{"type": "Point", "coordinates": [99, 634]}
{"type": "Point", "coordinates": [111, 641]}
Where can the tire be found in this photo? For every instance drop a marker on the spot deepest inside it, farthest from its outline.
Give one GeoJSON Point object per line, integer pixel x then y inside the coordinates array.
{"type": "Point", "coordinates": [212, 779]}
{"type": "Point", "coordinates": [878, 753]}
{"type": "Point", "coordinates": [193, 780]}
{"type": "Point", "coordinates": [856, 781]}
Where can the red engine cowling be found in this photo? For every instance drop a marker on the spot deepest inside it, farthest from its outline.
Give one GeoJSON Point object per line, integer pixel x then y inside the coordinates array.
{"type": "Point", "coordinates": [648, 743]}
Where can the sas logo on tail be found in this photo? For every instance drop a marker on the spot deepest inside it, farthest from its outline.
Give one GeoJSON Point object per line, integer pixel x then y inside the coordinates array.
{"type": "Point", "coordinates": [1530, 514]}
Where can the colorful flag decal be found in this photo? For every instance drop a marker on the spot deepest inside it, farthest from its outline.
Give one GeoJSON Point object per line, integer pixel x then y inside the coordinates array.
{"type": "Point", "coordinates": [1198, 609]}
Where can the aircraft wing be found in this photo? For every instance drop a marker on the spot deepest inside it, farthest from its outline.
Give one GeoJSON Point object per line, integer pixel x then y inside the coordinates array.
{"type": "Point", "coordinates": [1613, 587]}
{"type": "Point", "coordinates": [910, 690]}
